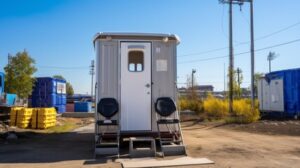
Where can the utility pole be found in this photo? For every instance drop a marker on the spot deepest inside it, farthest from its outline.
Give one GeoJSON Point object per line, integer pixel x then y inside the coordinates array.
{"type": "Point", "coordinates": [224, 69]}
{"type": "Point", "coordinates": [9, 58]}
{"type": "Point", "coordinates": [240, 2]}
{"type": "Point", "coordinates": [231, 59]}
{"type": "Point", "coordinates": [92, 72]}
{"type": "Point", "coordinates": [270, 58]}
{"type": "Point", "coordinates": [239, 72]}
{"type": "Point", "coordinates": [252, 55]}
{"type": "Point", "coordinates": [193, 72]}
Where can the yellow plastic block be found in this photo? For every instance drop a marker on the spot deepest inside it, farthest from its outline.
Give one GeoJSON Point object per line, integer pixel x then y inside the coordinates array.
{"type": "Point", "coordinates": [44, 111]}
{"type": "Point", "coordinates": [43, 118]}
{"type": "Point", "coordinates": [20, 116]}
{"type": "Point", "coordinates": [25, 111]}
{"type": "Point", "coordinates": [14, 110]}
{"type": "Point", "coordinates": [23, 125]}
{"type": "Point", "coordinates": [43, 125]}
{"type": "Point", "coordinates": [44, 122]}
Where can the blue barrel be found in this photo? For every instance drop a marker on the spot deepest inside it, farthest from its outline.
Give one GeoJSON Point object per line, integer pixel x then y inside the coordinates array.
{"type": "Point", "coordinates": [60, 108]}
{"type": "Point", "coordinates": [49, 92]}
{"type": "Point", "coordinates": [83, 106]}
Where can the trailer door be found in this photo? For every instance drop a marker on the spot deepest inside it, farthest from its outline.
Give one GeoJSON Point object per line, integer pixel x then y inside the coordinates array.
{"type": "Point", "coordinates": [135, 86]}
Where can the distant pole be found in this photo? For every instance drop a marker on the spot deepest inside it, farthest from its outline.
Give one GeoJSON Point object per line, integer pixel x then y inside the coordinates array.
{"type": "Point", "coordinates": [9, 58]}
{"type": "Point", "coordinates": [193, 72]}
{"type": "Point", "coordinates": [269, 65]}
{"type": "Point", "coordinates": [239, 71]}
{"type": "Point", "coordinates": [252, 55]}
{"type": "Point", "coordinates": [224, 69]}
{"type": "Point", "coordinates": [271, 57]}
{"type": "Point", "coordinates": [92, 72]}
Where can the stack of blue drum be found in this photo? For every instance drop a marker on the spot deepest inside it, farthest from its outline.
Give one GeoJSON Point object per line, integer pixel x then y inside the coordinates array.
{"type": "Point", "coordinates": [50, 92]}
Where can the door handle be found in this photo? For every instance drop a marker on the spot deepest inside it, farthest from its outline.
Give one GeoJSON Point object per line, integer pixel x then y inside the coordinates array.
{"type": "Point", "coordinates": [147, 85]}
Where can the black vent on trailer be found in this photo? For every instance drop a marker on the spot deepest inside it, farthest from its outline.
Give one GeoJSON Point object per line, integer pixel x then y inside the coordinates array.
{"type": "Point", "coordinates": [165, 106]}
{"type": "Point", "coordinates": [108, 107]}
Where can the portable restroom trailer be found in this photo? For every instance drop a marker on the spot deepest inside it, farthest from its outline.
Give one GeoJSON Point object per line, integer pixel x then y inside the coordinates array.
{"type": "Point", "coordinates": [279, 93]}
{"type": "Point", "coordinates": [136, 88]}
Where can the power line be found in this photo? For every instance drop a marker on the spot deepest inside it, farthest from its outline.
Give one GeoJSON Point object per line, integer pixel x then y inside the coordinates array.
{"type": "Point", "coordinates": [241, 53]}
{"type": "Point", "coordinates": [243, 43]}
{"type": "Point", "coordinates": [66, 68]}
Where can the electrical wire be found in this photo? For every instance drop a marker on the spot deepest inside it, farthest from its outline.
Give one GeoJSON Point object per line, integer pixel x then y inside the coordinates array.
{"type": "Point", "coordinates": [241, 53]}
{"type": "Point", "coordinates": [66, 68]}
{"type": "Point", "coordinates": [243, 43]}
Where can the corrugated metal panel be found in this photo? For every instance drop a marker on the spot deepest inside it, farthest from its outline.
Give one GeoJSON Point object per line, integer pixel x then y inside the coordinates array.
{"type": "Point", "coordinates": [264, 95]}
{"type": "Point", "coordinates": [276, 95]}
{"type": "Point", "coordinates": [108, 70]}
{"type": "Point", "coordinates": [163, 76]}
{"type": "Point", "coordinates": [164, 80]}
{"type": "Point", "coordinates": [260, 94]}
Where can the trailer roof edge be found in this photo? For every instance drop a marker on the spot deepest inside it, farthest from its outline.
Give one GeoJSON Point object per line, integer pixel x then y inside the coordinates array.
{"type": "Point", "coordinates": [106, 34]}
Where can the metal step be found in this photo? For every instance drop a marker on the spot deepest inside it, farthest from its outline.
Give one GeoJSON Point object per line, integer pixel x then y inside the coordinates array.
{"type": "Point", "coordinates": [106, 151]}
{"type": "Point", "coordinates": [108, 144]}
{"type": "Point", "coordinates": [143, 150]}
{"type": "Point", "coordinates": [173, 149]}
{"type": "Point", "coordinates": [171, 142]}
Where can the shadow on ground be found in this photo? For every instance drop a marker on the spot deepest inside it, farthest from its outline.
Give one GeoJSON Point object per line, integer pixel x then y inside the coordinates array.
{"type": "Point", "coordinates": [44, 148]}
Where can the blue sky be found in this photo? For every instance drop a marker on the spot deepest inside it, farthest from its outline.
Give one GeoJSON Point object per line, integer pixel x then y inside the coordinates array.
{"type": "Point", "coordinates": [58, 33]}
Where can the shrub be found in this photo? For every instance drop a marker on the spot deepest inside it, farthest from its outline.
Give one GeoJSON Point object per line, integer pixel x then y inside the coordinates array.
{"type": "Point", "coordinates": [215, 108]}
{"type": "Point", "coordinates": [191, 104]}
{"type": "Point", "coordinates": [243, 113]}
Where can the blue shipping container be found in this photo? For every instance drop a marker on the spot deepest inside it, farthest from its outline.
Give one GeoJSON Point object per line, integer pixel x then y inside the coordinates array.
{"type": "Point", "coordinates": [283, 94]}
{"type": "Point", "coordinates": [49, 92]}
{"type": "Point", "coordinates": [82, 106]}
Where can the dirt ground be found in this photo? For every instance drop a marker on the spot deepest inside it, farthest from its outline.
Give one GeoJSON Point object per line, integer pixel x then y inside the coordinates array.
{"type": "Point", "coordinates": [261, 144]}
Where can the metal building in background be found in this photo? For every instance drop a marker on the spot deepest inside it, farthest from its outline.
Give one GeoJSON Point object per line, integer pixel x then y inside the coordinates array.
{"type": "Point", "coordinates": [279, 93]}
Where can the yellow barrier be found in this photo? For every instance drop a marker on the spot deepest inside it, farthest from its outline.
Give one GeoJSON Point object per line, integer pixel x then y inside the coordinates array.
{"type": "Point", "coordinates": [43, 118]}
{"type": "Point", "coordinates": [20, 117]}
{"type": "Point", "coordinates": [40, 118]}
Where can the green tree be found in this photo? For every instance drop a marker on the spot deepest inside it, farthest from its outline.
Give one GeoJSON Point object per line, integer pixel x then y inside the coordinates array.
{"type": "Point", "coordinates": [19, 74]}
{"type": "Point", "coordinates": [69, 87]}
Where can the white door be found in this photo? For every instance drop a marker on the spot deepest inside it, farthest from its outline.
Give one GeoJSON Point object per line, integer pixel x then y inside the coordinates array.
{"type": "Point", "coordinates": [276, 95]}
{"type": "Point", "coordinates": [135, 86]}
